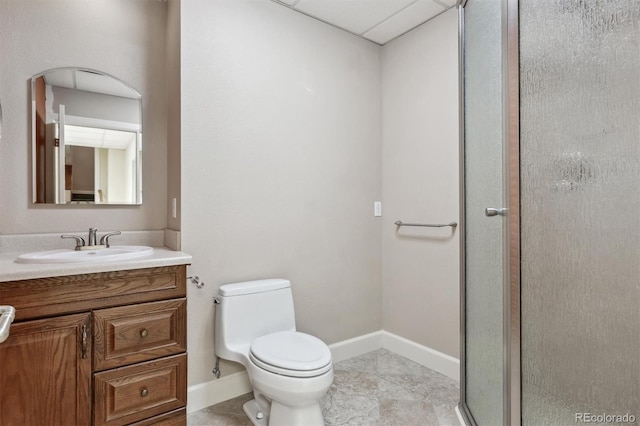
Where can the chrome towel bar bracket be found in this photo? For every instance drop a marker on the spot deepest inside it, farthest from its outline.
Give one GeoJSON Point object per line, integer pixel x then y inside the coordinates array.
{"type": "Point", "coordinates": [196, 280]}
{"type": "Point", "coordinates": [427, 225]}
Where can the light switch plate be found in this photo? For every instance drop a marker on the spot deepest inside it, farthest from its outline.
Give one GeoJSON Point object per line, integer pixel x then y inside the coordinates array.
{"type": "Point", "coordinates": [377, 208]}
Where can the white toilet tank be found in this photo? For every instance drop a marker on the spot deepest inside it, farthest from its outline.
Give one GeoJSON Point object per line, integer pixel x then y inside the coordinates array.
{"type": "Point", "coordinates": [248, 310]}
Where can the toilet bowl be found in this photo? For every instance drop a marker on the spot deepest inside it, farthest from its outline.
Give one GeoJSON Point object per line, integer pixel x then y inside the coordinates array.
{"type": "Point", "coordinates": [289, 371]}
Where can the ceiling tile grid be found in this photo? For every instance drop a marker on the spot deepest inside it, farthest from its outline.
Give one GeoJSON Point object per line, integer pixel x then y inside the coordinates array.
{"type": "Point", "coordinates": [379, 21]}
{"type": "Point", "coordinates": [403, 21]}
{"type": "Point", "coordinates": [356, 16]}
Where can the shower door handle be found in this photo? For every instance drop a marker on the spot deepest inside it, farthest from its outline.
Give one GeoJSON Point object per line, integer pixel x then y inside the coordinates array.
{"type": "Point", "coordinates": [490, 212]}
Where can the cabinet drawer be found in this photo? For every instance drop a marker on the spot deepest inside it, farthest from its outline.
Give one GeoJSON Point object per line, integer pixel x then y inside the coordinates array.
{"type": "Point", "coordinates": [174, 418]}
{"type": "Point", "coordinates": [45, 297]}
{"type": "Point", "coordinates": [129, 394]}
{"type": "Point", "coordinates": [137, 333]}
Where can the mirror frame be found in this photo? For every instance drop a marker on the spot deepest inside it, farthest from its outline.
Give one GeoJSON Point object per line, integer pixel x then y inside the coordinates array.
{"type": "Point", "coordinates": [61, 153]}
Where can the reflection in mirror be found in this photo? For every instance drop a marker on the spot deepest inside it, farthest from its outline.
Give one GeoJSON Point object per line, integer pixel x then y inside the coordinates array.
{"type": "Point", "coordinates": [87, 138]}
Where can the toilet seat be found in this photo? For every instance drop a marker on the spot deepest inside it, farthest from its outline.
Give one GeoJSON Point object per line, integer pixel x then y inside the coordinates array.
{"type": "Point", "coordinates": [291, 353]}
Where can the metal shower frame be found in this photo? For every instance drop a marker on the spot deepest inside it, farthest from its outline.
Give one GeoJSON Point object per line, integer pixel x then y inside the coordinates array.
{"type": "Point", "coordinates": [511, 224]}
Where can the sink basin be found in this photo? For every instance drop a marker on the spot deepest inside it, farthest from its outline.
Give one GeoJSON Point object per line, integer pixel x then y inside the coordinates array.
{"type": "Point", "coordinates": [113, 253]}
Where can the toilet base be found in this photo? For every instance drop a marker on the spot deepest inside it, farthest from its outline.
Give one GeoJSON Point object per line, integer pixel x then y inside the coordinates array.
{"type": "Point", "coordinates": [251, 409]}
{"type": "Point", "coordinates": [284, 416]}
{"type": "Point", "coordinates": [309, 415]}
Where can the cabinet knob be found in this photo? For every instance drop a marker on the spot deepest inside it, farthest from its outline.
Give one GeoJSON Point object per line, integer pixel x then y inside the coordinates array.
{"type": "Point", "coordinates": [144, 332]}
{"type": "Point", "coordinates": [144, 392]}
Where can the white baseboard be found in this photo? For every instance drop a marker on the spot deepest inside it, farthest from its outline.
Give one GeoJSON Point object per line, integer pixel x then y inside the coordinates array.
{"type": "Point", "coordinates": [356, 346]}
{"type": "Point", "coordinates": [227, 387]}
{"type": "Point", "coordinates": [423, 355]}
{"type": "Point", "coordinates": [210, 393]}
{"type": "Point", "coordinates": [460, 416]}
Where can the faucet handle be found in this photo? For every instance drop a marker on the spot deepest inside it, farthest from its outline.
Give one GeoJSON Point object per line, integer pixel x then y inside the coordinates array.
{"type": "Point", "coordinates": [104, 241]}
{"type": "Point", "coordinates": [79, 241]}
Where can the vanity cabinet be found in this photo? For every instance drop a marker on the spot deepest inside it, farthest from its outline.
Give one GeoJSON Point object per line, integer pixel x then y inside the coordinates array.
{"type": "Point", "coordinates": [44, 378]}
{"type": "Point", "coordinates": [104, 349]}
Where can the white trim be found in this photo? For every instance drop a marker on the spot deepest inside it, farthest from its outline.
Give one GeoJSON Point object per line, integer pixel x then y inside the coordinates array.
{"type": "Point", "coordinates": [218, 390]}
{"type": "Point", "coordinates": [356, 346]}
{"type": "Point", "coordinates": [210, 393]}
{"type": "Point", "coordinates": [459, 415]}
{"type": "Point", "coordinates": [423, 355]}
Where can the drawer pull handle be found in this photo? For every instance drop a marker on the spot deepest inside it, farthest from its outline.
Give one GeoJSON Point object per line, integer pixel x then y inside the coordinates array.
{"type": "Point", "coordinates": [85, 343]}
{"type": "Point", "coordinates": [144, 392]}
{"type": "Point", "coordinates": [144, 332]}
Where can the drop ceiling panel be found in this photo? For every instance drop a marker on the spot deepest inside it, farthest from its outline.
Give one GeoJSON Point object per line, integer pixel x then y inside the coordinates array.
{"type": "Point", "coordinates": [98, 138]}
{"type": "Point", "coordinates": [89, 81]}
{"type": "Point", "coordinates": [98, 83]}
{"type": "Point", "coordinates": [356, 16]}
{"type": "Point", "coordinates": [405, 20]}
{"type": "Point", "coordinates": [60, 78]}
{"type": "Point", "coordinates": [448, 2]}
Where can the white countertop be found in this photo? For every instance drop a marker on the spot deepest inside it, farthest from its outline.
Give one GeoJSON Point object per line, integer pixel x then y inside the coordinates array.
{"type": "Point", "coordinates": [12, 271]}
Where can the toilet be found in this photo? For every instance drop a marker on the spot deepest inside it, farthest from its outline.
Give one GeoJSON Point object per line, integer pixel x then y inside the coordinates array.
{"type": "Point", "coordinates": [289, 371]}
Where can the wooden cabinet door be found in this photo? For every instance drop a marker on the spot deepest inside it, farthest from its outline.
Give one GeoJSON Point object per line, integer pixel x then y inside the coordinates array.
{"type": "Point", "coordinates": [45, 372]}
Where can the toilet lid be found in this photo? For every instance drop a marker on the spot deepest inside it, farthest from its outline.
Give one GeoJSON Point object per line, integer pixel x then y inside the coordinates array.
{"type": "Point", "coordinates": [291, 353]}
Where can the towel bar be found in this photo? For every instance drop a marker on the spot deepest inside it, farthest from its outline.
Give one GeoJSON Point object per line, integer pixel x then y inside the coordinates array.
{"type": "Point", "coordinates": [428, 225]}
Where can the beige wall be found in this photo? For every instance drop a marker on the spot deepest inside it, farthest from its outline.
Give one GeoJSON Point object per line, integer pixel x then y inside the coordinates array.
{"type": "Point", "coordinates": [281, 164]}
{"type": "Point", "coordinates": [283, 121]}
{"type": "Point", "coordinates": [174, 113]}
{"type": "Point", "coordinates": [120, 37]}
{"type": "Point", "coordinates": [420, 184]}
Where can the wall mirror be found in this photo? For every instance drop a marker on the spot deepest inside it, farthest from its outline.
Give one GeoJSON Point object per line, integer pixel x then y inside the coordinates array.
{"type": "Point", "coordinates": [86, 138]}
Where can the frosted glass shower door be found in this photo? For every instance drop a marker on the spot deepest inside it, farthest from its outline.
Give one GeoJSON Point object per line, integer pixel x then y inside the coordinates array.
{"type": "Point", "coordinates": [483, 188]}
{"type": "Point", "coordinates": [580, 211]}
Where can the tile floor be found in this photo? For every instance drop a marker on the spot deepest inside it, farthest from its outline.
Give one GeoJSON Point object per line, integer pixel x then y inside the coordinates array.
{"type": "Point", "coordinates": [378, 388]}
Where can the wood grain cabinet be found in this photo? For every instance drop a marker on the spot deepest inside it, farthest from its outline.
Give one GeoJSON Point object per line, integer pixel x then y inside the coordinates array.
{"type": "Point", "coordinates": [103, 349]}
{"type": "Point", "coordinates": [44, 379]}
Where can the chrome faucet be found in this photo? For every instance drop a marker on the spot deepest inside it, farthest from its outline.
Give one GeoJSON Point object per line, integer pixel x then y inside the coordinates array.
{"type": "Point", "coordinates": [92, 237]}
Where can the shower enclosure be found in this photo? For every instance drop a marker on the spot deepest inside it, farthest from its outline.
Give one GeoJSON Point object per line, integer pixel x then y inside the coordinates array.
{"type": "Point", "coordinates": [551, 206]}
